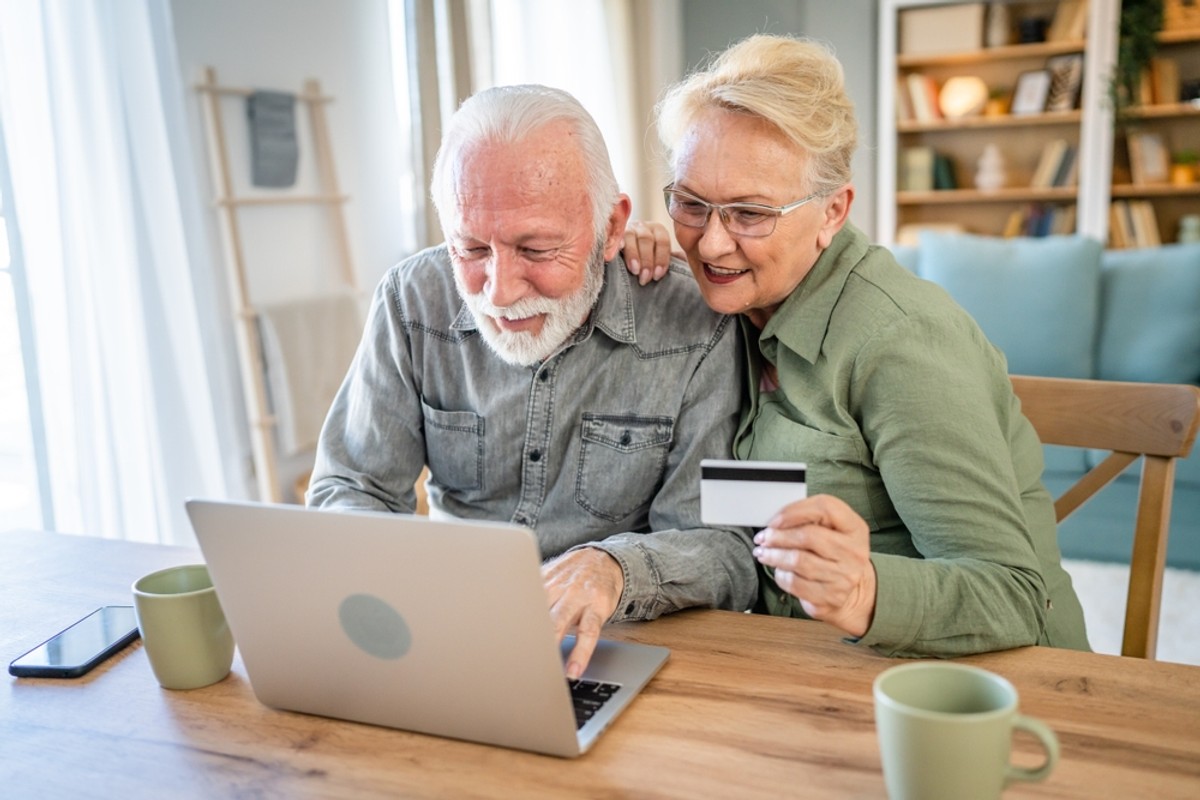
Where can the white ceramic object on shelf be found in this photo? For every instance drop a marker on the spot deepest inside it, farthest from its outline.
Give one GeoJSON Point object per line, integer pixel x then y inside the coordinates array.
{"type": "Point", "coordinates": [1189, 228]}
{"type": "Point", "coordinates": [999, 26]}
{"type": "Point", "coordinates": [991, 174]}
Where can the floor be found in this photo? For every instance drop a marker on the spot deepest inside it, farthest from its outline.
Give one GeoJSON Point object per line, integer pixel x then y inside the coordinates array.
{"type": "Point", "coordinates": [1101, 589]}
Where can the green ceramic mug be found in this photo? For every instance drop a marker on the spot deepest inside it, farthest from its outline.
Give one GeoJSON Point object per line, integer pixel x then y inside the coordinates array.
{"type": "Point", "coordinates": [945, 731]}
{"type": "Point", "coordinates": [183, 627]}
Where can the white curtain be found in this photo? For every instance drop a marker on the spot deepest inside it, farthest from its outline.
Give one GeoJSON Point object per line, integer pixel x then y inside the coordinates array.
{"type": "Point", "coordinates": [615, 56]}
{"type": "Point", "coordinates": [112, 228]}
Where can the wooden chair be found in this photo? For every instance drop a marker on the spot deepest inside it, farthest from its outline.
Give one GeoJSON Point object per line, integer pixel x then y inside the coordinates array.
{"type": "Point", "coordinates": [1153, 420]}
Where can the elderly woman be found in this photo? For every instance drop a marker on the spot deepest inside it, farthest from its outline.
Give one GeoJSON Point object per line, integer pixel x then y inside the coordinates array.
{"type": "Point", "coordinates": [927, 530]}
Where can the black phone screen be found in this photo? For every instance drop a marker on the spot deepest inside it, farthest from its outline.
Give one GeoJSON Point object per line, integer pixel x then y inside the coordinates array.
{"type": "Point", "coordinates": [80, 647]}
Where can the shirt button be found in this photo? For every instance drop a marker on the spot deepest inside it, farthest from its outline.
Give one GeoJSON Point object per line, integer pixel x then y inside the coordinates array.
{"type": "Point", "coordinates": [626, 438]}
{"type": "Point", "coordinates": [543, 376]}
{"type": "Point", "coordinates": [535, 456]}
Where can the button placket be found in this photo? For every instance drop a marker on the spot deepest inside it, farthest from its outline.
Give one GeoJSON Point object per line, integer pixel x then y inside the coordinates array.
{"type": "Point", "coordinates": [536, 446]}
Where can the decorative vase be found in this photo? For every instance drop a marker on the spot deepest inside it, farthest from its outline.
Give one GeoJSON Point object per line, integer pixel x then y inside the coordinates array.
{"type": "Point", "coordinates": [1189, 229]}
{"type": "Point", "coordinates": [999, 26]}
{"type": "Point", "coordinates": [1183, 174]}
{"type": "Point", "coordinates": [991, 174]}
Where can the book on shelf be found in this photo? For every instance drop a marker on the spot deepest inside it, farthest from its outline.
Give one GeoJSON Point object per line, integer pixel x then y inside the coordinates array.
{"type": "Point", "coordinates": [1068, 168]}
{"type": "Point", "coordinates": [923, 96]}
{"type": "Point", "coordinates": [943, 172]}
{"type": "Point", "coordinates": [1064, 222]}
{"type": "Point", "coordinates": [1132, 223]}
{"type": "Point", "coordinates": [1014, 224]}
{"type": "Point", "coordinates": [1040, 219]}
{"type": "Point", "coordinates": [916, 169]}
{"type": "Point", "coordinates": [1164, 80]}
{"type": "Point", "coordinates": [1145, 224]}
{"type": "Point", "coordinates": [941, 29]}
{"type": "Point", "coordinates": [1049, 163]}
{"type": "Point", "coordinates": [1069, 23]}
{"type": "Point", "coordinates": [1119, 234]}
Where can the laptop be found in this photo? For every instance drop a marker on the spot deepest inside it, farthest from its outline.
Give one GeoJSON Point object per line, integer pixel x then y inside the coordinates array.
{"type": "Point", "coordinates": [440, 627]}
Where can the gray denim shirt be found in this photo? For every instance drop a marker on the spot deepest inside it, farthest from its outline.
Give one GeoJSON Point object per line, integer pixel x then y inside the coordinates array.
{"type": "Point", "coordinates": [599, 445]}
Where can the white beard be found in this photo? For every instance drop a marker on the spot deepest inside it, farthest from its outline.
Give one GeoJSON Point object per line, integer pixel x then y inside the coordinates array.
{"type": "Point", "coordinates": [563, 317]}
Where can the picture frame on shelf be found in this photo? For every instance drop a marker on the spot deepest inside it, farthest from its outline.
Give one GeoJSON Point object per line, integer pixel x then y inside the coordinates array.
{"type": "Point", "coordinates": [1066, 80]}
{"type": "Point", "coordinates": [1149, 158]}
{"type": "Point", "coordinates": [1030, 93]}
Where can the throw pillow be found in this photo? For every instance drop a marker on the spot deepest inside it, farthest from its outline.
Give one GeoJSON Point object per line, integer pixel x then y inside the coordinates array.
{"type": "Point", "coordinates": [1037, 299]}
{"type": "Point", "coordinates": [1150, 315]}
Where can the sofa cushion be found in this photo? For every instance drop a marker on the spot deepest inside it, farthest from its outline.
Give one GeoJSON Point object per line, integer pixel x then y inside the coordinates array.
{"type": "Point", "coordinates": [1037, 299]}
{"type": "Point", "coordinates": [907, 256]}
{"type": "Point", "coordinates": [1150, 315]}
{"type": "Point", "coordinates": [1187, 470]}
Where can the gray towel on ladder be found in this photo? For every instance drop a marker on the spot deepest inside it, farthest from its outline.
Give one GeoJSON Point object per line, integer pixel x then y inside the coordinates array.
{"type": "Point", "coordinates": [274, 151]}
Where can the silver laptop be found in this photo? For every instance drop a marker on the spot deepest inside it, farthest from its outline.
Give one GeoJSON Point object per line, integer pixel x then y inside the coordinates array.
{"type": "Point", "coordinates": [397, 620]}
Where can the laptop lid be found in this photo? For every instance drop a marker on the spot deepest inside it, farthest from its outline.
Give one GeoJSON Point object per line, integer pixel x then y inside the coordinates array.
{"type": "Point", "coordinates": [439, 627]}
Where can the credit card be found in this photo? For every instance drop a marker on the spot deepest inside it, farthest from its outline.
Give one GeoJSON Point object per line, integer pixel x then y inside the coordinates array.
{"type": "Point", "coordinates": [748, 493]}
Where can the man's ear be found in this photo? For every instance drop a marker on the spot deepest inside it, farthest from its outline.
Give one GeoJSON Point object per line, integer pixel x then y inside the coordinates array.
{"type": "Point", "coordinates": [837, 211]}
{"type": "Point", "coordinates": [614, 237]}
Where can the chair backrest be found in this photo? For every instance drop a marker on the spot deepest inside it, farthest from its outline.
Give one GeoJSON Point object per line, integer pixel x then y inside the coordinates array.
{"type": "Point", "coordinates": [1156, 421]}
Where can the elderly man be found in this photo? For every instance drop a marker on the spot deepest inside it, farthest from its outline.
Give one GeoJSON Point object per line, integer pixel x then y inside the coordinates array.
{"type": "Point", "coordinates": [541, 384]}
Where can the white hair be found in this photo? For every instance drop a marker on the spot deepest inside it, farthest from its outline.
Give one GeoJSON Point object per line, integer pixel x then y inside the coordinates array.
{"type": "Point", "coordinates": [508, 114]}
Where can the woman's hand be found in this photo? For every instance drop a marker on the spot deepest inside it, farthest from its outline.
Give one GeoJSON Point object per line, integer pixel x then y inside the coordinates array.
{"type": "Point", "coordinates": [820, 550]}
{"type": "Point", "coordinates": [647, 251]}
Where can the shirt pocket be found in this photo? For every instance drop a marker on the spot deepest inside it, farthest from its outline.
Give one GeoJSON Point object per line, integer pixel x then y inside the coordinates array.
{"type": "Point", "coordinates": [835, 465]}
{"type": "Point", "coordinates": [621, 461]}
{"type": "Point", "coordinates": [454, 447]}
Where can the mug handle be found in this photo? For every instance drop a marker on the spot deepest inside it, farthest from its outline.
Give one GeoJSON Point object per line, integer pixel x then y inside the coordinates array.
{"type": "Point", "coordinates": [1049, 744]}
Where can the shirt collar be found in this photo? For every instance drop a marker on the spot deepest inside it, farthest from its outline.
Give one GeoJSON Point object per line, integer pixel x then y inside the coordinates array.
{"type": "Point", "coordinates": [802, 320]}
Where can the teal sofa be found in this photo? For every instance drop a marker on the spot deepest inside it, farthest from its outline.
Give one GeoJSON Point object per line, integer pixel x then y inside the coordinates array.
{"type": "Point", "coordinates": [1061, 306]}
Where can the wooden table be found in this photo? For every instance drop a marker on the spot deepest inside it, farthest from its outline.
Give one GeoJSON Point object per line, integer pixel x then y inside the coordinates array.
{"type": "Point", "coordinates": [746, 707]}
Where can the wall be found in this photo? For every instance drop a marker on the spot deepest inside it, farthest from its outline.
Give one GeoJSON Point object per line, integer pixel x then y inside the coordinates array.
{"type": "Point", "coordinates": [852, 29]}
{"type": "Point", "coordinates": [278, 44]}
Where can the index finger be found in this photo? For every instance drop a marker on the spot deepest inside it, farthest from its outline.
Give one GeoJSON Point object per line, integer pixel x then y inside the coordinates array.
{"type": "Point", "coordinates": [587, 635]}
{"type": "Point", "coordinates": [821, 509]}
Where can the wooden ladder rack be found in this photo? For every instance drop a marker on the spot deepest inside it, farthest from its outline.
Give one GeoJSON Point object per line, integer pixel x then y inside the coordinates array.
{"type": "Point", "coordinates": [249, 344]}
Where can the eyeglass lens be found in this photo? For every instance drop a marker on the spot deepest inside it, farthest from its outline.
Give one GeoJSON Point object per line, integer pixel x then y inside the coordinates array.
{"type": "Point", "coordinates": [743, 219]}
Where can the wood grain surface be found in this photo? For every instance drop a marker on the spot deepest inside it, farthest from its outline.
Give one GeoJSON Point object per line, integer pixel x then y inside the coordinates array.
{"type": "Point", "coordinates": [747, 706]}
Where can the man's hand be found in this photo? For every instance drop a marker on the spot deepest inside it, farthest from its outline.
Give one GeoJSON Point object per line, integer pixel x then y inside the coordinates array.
{"type": "Point", "coordinates": [647, 251]}
{"type": "Point", "coordinates": [821, 551]}
{"type": "Point", "coordinates": [583, 588]}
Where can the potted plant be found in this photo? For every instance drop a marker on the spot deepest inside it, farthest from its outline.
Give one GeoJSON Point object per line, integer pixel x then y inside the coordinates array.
{"type": "Point", "coordinates": [1183, 167]}
{"type": "Point", "coordinates": [1141, 21]}
{"type": "Point", "coordinates": [997, 102]}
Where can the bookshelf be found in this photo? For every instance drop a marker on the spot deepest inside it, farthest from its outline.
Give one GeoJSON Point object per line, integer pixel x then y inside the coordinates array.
{"type": "Point", "coordinates": [1023, 140]}
{"type": "Point", "coordinates": [1161, 115]}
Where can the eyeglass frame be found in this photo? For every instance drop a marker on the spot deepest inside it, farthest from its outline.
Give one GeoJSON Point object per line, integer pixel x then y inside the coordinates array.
{"type": "Point", "coordinates": [774, 212]}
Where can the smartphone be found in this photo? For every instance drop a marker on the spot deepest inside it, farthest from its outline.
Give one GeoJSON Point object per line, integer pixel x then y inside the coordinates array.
{"type": "Point", "coordinates": [81, 647]}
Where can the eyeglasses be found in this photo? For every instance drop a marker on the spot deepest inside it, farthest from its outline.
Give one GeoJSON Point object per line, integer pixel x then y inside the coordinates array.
{"type": "Point", "coordinates": [740, 219]}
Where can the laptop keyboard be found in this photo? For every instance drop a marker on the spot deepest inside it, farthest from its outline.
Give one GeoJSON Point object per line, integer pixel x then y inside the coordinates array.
{"type": "Point", "coordinates": [589, 696]}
